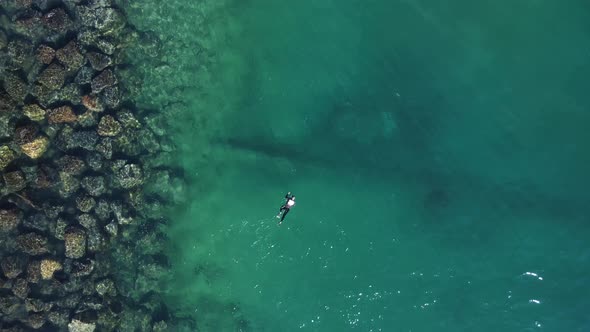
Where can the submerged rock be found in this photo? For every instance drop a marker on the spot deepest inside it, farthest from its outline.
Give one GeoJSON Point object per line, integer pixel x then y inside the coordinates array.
{"type": "Point", "coordinates": [75, 242]}
{"type": "Point", "coordinates": [6, 156]}
{"type": "Point", "coordinates": [25, 134]}
{"type": "Point", "coordinates": [59, 318]}
{"type": "Point", "coordinates": [48, 267]}
{"type": "Point", "coordinates": [94, 185]}
{"type": "Point", "coordinates": [95, 161]}
{"type": "Point", "coordinates": [71, 165]}
{"type": "Point", "coordinates": [3, 40]}
{"type": "Point", "coordinates": [98, 61]}
{"type": "Point", "coordinates": [37, 222]}
{"type": "Point", "coordinates": [103, 80]}
{"type": "Point", "coordinates": [43, 94]}
{"type": "Point", "coordinates": [127, 175]}
{"type": "Point", "coordinates": [69, 184]}
{"type": "Point", "coordinates": [36, 320]}
{"type": "Point", "coordinates": [57, 20]}
{"type": "Point", "coordinates": [34, 271]}
{"type": "Point", "coordinates": [7, 105]}
{"type": "Point", "coordinates": [37, 305]}
{"type": "Point", "coordinates": [86, 220]}
{"type": "Point", "coordinates": [33, 244]}
{"type": "Point", "coordinates": [105, 147]}
{"type": "Point", "coordinates": [106, 287]}
{"type": "Point", "coordinates": [15, 181]}
{"type": "Point", "coordinates": [70, 56]}
{"type": "Point", "coordinates": [95, 240]}
{"type": "Point", "coordinates": [111, 96]}
{"type": "Point", "coordinates": [85, 203]}
{"type": "Point", "coordinates": [19, 52]}
{"type": "Point", "coordinates": [45, 54]}
{"type": "Point", "coordinates": [112, 229]}
{"type": "Point", "coordinates": [85, 139]}
{"type": "Point", "coordinates": [108, 126]}
{"type": "Point", "coordinates": [128, 120]}
{"type": "Point", "coordinates": [60, 229]}
{"type": "Point", "coordinates": [78, 326]}
{"type": "Point", "coordinates": [36, 148]}
{"type": "Point", "coordinates": [92, 103]}
{"type": "Point", "coordinates": [105, 19]}
{"type": "Point", "coordinates": [70, 93]}
{"type": "Point", "coordinates": [103, 210]}
{"type": "Point", "coordinates": [82, 268]}
{"type": "Point", "coordinates": [87, 119]}
{"type": "Point", "coordinates": [15, 87]}
{"type": "Point", "coordinates": [84, 76]}
{"type": "Point", "coordinates": [12, 266]}
{"type": "Point", "coordinates": [20, 288]}
{"type": "Point", "coordinates": [9, 219]}
{"type": "Point", "coordinates": [34, 112]}
{"type": "Point", "coordinates": [63, 114]}
{"type": "Point", "coordinates": [53, 77]}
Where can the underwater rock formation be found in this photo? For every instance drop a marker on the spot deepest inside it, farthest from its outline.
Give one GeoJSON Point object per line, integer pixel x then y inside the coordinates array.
{"type": "Point", "coordinates": [73, 173]}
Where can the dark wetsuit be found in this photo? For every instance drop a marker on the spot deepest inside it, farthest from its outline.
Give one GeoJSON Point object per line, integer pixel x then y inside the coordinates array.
{"type": "Point", "coordinates": [286, 208]}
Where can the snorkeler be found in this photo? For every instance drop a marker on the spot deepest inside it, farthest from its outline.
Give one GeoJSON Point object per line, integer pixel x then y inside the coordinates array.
{"type": "Point", "coordinates": [289, 203]}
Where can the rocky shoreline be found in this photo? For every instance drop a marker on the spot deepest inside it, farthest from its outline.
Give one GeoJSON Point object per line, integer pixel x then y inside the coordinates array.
{"type": "Point", "coordinates": [84, 179]}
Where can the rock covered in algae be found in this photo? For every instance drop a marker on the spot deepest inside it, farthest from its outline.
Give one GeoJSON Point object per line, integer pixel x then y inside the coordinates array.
{"type": "Point", "coordinates": [48, 267]}
{"type": "Point", "coordinates": [35, 148]}
{"type": "Point", "coordinates": [128, 175]}
{"type": "Point", "coordinates": [85, 203]}
{"type": "Point", "coordinates": [108, 126]}
{"type": "Point", "coordinates": [84, 75]}
{"type": "Point", "coordinates": [37, 305]}
{"type": "Point", "coordinates": [53, 77]}
{"type": "Point", "coordinates": [57, 20]}
{"type": "Point", "coordinates": [34, 112]}
{"type": "Point", "coordinates": [70, 56]}
{"type": "Point", "coordinates": [45, 54]}
{"type": "Point", "coordinates": [63, 114]}
{"type": "Point", "coordinates": [106, 20]}
{"type": "Point", "coordinates": [94, 185]}
{"type": "Point", "coordinates": [87, 220]}
{"type": "Point", "coordinates": [33, 244]}
{"type": "Point", "coordinates": [9, 219]}
{"type": "Point", "coordinates": [20, 288]}
{"type": "Point", "coordinates": [6, 156]}
{"type": "Point", "coordinates": [59, 317]}
{"type": "Point", "coordinates": [106, 287]}
{"type": "Point", "coordinates": [98, 61]}
{"type": "Point", "coordinates": [25, 134]}
{"type": "Point", "coordinates": [35, 320]}
{"type": "Point", "coordinates": [3, 40]}
{"type": "Point", "coordinates": [14, 181]}
{"type": "Point", "coordinates": [15, 87]}
{"type": "Point", "coordinates": [37, 221]}
{"type": "Point", "coordinates": [79, 326]}
{"type": "Point", "coordinates": [12, 266]}
{"type": "Point", "coordinates": [71, 165]}
{"type": "Point", "coordinates": [69, 184]}
{"type": "Point", "coordinates": [19, 52]}
{"type": "Point", "coordinates": [70, 93]}
{"type": "Point", "coordinates": [34, 271]}
{"type": "Point", "coordinates": [92, 103]}
{"type": "Point", "coordinates": [111, 96]}
{"type": "Point", "coordinates": [103, 80]}
{"type": "Point", "coordinates": [75, 242]}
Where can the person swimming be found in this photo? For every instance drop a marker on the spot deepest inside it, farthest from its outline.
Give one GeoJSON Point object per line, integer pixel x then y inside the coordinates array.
{"type": "Point", "coordinates": [289, 203]}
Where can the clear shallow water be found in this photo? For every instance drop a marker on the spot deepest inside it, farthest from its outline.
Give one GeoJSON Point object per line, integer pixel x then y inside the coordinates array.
{"type": "Point", "coordinates": [439, 155]}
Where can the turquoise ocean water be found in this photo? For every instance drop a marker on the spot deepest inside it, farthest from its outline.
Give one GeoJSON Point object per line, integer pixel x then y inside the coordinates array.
{"type": "Point", "coordinates": [439, 153]}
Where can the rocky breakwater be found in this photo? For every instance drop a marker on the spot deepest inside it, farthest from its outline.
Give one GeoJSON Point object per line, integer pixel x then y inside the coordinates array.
{"type": "Point", "coordinates": [80, 237]}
